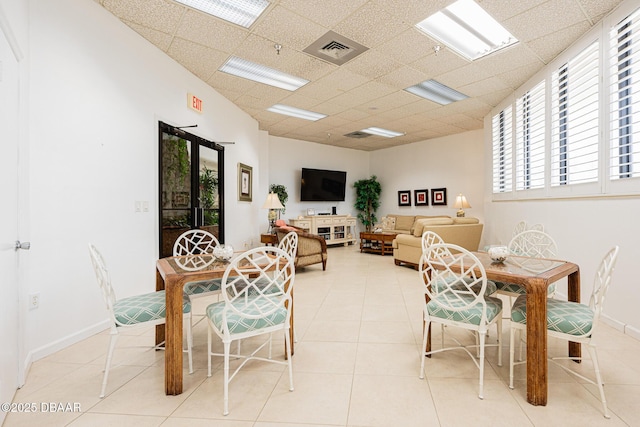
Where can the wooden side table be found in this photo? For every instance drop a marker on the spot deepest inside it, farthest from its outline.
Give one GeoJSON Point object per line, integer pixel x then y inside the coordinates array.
{"type": "Point", "coordinates": [377, 243]}
{"type": "Point", "coordinates": [269, 239]}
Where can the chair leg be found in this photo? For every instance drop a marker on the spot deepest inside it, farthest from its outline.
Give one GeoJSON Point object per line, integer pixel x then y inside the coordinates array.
{"type": "Point", "coordinates": [512, 334]}
{"type": "Point", "coordinates": [287, 340]}
{"type": "Point", "coordinates": [107, 364]}
{"type": "Point", "coordinates": [209, 351]}
{"type": "Point", "coordinates": [422, 349]}
{"type": "Point", "coordinates": [596, 366]}
{"type": "Point", "coordinates": [227, 350]}
{"type": "Point", "coordinates": [483, 337]}
{"type": "Point", "coordinates": [499, 326]}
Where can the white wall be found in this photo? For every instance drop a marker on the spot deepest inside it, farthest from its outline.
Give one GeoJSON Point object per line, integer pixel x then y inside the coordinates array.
{"type": "Point", "coordinates": [287, 157]}
{"type": "Point", "coordinates": [454, 162]}
{"type": "Point", "coordinates": [97, 92]}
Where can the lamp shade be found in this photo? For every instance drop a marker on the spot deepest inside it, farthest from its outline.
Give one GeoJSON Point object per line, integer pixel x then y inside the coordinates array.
{"type": "Point", "coordinates": [272, 202]}
{"type": "Point", "coordinates": [461, 202]}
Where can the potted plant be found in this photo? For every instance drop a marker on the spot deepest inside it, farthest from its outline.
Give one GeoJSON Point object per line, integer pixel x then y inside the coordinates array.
{"type": "Point", "coordinates": [367, 200]}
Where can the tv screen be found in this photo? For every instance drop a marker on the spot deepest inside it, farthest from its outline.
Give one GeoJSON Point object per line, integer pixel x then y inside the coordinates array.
{"type": "Point", "coordinates": [318, 185]}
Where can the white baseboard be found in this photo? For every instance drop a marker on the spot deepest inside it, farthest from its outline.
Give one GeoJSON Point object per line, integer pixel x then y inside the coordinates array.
{"type": "Point", "coordinates": [615, 324]}
{"type": "Point", "coordinates": [45, 350]}
{"type": "Point", "coordinates": [632, 332]}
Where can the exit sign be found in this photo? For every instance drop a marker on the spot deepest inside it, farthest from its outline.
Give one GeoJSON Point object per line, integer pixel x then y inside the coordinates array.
{"type": "Point", "coordinates": [194, 102]}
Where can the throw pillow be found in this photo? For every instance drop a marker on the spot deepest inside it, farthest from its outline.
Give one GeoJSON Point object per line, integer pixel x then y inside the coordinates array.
{"type": "Point", "coordinates": [404, 222]}
{"type": "Point", "coordinates": [388, 223]}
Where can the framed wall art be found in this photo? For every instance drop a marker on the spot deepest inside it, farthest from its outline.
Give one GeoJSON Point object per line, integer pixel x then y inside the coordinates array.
{"type": "Point", "coordinates": [421, 197]}
{"type": "Point", "coordinates": [438, 197]}
{"type": "Point", "coordinates": [404, 198]}
{"type": "Point", "coordinates": [245, 183]}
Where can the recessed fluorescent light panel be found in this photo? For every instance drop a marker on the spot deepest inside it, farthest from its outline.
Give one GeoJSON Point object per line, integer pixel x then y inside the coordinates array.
{"type": "Point", "coordinates": [467, 29]}
{"type": "Point", "coordinates": [261, 74]}
{"type": "Point", "coordinates": [296, 112]}
{"type": "Point", "coordinates": [436, 92]}
{"type": "Point", "coordinates": [241, 12]}
{"type": "Point", "coordinates": [382, 132]}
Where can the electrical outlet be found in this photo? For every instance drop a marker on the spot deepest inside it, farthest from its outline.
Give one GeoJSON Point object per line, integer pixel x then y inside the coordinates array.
{"type": "Point", "coordinates": [34, 301]}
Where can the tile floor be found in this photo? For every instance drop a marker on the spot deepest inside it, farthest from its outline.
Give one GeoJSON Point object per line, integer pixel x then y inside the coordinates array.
{"type": "Point", "coordinates": [356, 364]}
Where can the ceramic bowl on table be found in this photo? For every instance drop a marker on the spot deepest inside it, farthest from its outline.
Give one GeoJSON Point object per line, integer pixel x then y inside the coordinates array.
{"type": "Point", "coordinates": [223, 252]}
{"type": "Point", "coordinates": [498, 253]}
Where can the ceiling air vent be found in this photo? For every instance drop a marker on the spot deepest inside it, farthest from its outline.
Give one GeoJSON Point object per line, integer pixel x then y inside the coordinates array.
{"type": "Point", "coordinates": [358, 134]}
{"type": "Point", "coordinates": [335, 48]}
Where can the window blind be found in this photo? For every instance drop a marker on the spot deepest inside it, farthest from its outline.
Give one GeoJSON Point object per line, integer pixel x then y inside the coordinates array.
{"type": "Point", "coordinates": [502, 151]}
{"type": "Point", "coordinates": [574, 119]}
{"type": "Point", "coordinates": [624, 89]}
{"type": "Point", "coordinates": [530, 138]}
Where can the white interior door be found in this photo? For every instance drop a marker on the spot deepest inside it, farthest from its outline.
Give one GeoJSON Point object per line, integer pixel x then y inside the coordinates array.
{"type": "Point", "coordinates": [9, 256]}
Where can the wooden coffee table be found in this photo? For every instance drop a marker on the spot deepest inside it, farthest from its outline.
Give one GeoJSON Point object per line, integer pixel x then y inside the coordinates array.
{"type": "Point", "coordinates": [377, 243]}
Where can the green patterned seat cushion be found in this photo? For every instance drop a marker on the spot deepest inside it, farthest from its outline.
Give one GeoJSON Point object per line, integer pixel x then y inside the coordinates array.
{"type": "Point", "coordinates": [238, 324]}
{"type": "Point", "coordinates": [144, 308]}
{"type": "Point", "coordinates": [202, 286]}
{"type": "Point", "coordinates": [562, 316]}
{"type": "Point", "coordinates": [489, 290]}
{"type": "Point", "coordinates": [471, 315]}
{"type": "Point", "coordinates": [514, 288]}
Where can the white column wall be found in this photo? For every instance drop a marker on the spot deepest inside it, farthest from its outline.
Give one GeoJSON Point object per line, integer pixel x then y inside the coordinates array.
{"type": "Point", "coordinates": [97, 92]}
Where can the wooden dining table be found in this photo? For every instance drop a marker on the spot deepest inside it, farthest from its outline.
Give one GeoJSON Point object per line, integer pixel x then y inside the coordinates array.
{"type": "Point", "coordinates": [535, 275]}
{"type": "Point", "coordinates": [171, 275]}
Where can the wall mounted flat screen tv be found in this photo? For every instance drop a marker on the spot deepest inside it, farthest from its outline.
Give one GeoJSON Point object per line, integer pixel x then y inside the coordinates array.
{"type": "Point", "coordinates": [318, 185]}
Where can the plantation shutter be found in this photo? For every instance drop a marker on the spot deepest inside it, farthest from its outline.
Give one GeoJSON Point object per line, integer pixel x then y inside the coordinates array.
{"type": "Point", "coordinates": [530, 138]}
{"type": "Point", "coordinates": [502, 151]}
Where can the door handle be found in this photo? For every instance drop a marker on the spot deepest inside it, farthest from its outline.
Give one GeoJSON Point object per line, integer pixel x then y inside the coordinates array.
{"type": "Point", "coordinates": [22, 245]}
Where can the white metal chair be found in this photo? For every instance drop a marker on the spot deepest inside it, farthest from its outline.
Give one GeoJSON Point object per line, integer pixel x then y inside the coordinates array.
{"type": "Point", "coordinates": [571, 321]}
{"type": "Point", "coordinates": [139, 310]}
{"type": "Point", "coordinates": [459, 302]}
{"type": "Point", "coordinates": [194, 242]}
{"type": "Point", "coordinates": [256, 291]}
{"type": "Point", "coordinates": [519, 228]}
{"type": "Point", "coordinates": [530, 243]}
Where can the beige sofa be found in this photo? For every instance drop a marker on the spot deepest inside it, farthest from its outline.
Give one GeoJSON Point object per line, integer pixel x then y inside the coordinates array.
{"type": "Point", "coordinates": [407, 246]}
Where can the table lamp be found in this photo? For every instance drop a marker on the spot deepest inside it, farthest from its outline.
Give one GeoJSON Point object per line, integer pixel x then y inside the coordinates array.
{"type": "Point", "coordinates": [273, 204]}
{"type": "Point", "coordinates": [461, 204]}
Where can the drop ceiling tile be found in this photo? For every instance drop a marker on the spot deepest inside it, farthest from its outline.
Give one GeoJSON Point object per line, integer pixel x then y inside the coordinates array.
{"type": "Point", "coordinates": [595, 9]}
{"type": "Point", "coordinates": [208, 31]}
{"type": "Point", "coordinates": [407, 47]}
{"type": "Point", "coordinates": [331, 12]}
{"type": "Point", "coordinates": [298, 100]}
{"type": "Point", "coordinates": [363, 94]}
{"type": "Point", "coordinates": [517, 77]}
{"type": "Point", "coordinates": [200, 60]}
{"type": "Point", "coordinates": [224, 81]}
{"type": "Point", "coordinates": [505, 9]}
{"type": "Point", "coordinates": [389, 102]}
{"type": "Point", "coordinates": [511, 58]}
{"type": "Point", "coordinates": [289, 29]}
{"type": "Point", "coordinates": [551, 45]}
{"type": "Point", "coordinates": [403, 77]}
{"type": "Point", "coordinates": [157, 38]}
{"type": "Point", "coordinates": [157, 14]}
{"type": "Point", "coordinates": [436, 64]}
{"type": "Point", "coordinates": [483, 87]}
{"type": "Point", "coordinates": [544, 19]}
{"type": "Point", "coordinates": [414, 11]}
{"type": "Point", "coordinates": [371, 25]}
{"type": "Point", "coordinates": [463, 76]}
{"type": "Point", "coordinates": [372, 64]}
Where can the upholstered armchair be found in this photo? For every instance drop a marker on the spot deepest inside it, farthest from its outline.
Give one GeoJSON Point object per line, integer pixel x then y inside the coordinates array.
{"type": "Point", "coordinates": [312, 249]}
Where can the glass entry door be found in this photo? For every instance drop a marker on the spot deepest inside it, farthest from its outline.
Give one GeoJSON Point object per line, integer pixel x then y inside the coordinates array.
{"type": "Point", "coordinates": [191, 186]}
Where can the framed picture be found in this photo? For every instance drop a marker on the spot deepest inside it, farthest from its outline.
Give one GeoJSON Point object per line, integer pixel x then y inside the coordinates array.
{"type": "Point", "coordinates": [421, 197]}
{"type": "Point", "coordinates": [245, 182]}
{"type": "Point", "coordinates": [311, 211]}
{"type": "Point", "coordinates": [180, 199]}
{"type": "Point", "coordinates": [438, 197]}
{"type": "Point", "coordinates": [404, 198]}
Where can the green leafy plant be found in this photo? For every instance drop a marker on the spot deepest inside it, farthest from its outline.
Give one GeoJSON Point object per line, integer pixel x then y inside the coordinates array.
{"type": "Point", "coordinates": [367, 200]}
{"type": "Point", "coordinates": [281, 191]}
{"type": "Point", "coordinates": [208, 187]}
